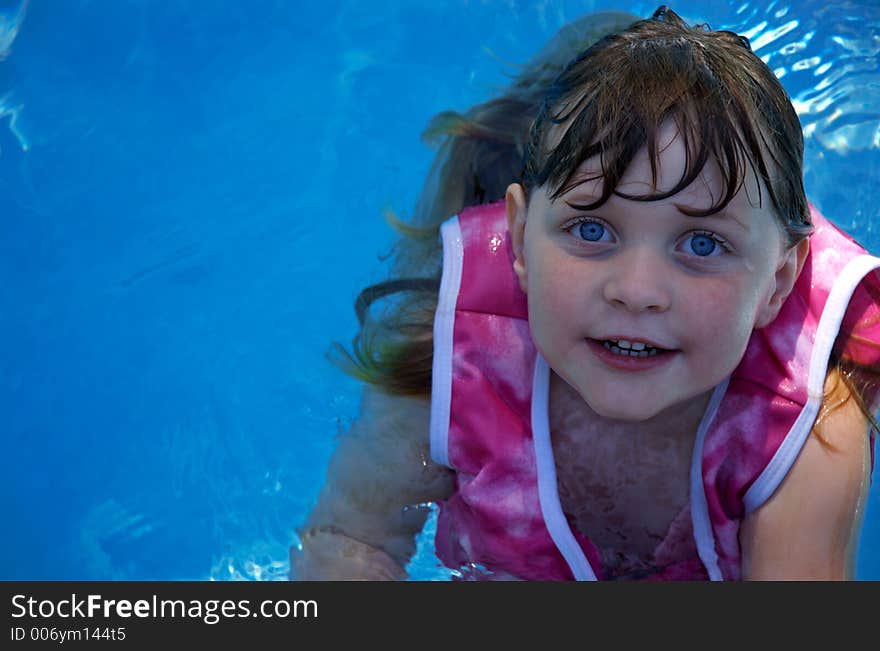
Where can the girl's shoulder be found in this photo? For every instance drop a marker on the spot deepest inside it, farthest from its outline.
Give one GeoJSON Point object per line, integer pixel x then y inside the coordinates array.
{"type": "Point", "coordinates": [393, 424]}
{"type": "Point", "coordinates": [809, 528]}
{"type": "Point", "coordinates": [389, 442]}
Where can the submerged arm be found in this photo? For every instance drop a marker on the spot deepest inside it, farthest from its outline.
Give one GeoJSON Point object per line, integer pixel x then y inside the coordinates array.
{"type": "Point", "coordinates": [809, 529]}
{"type": "Point", "coordinates": [371, 507]}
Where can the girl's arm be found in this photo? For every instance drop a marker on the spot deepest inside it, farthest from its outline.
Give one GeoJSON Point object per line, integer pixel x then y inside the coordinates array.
{"type": "Point", "coordinates": [373, 503]}
{"type": "Point", "coordinates": [809, 529]}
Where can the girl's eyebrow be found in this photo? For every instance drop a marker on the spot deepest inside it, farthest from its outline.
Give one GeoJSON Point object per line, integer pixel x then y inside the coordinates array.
{"type": "Point", "coordinates": [728, 217]}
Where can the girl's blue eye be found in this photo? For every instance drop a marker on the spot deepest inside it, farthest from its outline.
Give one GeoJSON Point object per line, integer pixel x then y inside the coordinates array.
{"type": "Point", "coordinates": [704, 245]}
{"type": "Point", "coordinates": [591, 231]}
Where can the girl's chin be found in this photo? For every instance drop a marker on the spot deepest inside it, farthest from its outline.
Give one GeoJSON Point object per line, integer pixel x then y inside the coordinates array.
{"type": "Point", "coordinates": [624, 415]}
{"type": "Point", "coordinates": [659, 410]}
{"type": "Point", "coordinates": [624, 409]}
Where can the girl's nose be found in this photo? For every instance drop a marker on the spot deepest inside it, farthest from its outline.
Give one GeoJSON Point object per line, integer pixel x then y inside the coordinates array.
{"type": "Point", "coordinates": [639, 283]}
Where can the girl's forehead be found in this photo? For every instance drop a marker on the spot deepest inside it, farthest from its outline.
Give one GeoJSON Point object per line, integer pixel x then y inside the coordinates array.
{"type": "Point", "coordinates": [669, 167]}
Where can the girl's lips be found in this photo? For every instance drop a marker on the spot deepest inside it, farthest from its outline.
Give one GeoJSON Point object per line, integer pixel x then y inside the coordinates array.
{"type": "Point", "coordinates": [629, 363]}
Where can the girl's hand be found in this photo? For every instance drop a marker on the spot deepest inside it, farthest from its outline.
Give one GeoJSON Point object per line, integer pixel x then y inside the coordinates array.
{"type": "Point", "coordinates": [329, 555]}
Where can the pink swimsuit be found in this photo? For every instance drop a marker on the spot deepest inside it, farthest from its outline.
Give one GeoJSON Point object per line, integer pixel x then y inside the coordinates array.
{"type": "Point", "coordinates": [489, 417]}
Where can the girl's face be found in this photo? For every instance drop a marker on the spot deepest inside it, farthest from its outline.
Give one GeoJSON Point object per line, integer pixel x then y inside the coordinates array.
{"type": "Point", "coordinates": [682, 293]}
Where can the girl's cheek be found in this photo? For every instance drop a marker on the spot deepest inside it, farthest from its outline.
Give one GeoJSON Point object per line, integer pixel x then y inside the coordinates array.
{"type": "Point", "coordinates": [548, 289]}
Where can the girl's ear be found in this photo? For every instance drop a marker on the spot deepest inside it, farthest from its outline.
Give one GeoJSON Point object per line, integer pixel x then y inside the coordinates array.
{"type": "Point", "coordinates": [786, 276]}
{"type": "Point", "coordinates": [515, 205]}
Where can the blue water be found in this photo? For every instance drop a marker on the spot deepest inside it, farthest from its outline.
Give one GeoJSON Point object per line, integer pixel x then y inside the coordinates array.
{"type": "Point", "coordinates": [190, 199]}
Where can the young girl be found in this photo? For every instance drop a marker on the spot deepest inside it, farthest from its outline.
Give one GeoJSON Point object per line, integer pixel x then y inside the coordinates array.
{"type": "Point", "coordinates": [652, 360]}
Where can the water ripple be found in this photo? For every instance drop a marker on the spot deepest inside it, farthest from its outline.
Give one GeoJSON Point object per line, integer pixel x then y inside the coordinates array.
{"type": "Point", "coordinates": [10, 22]}
{"type": "Point", "coordinates": [829, 57]}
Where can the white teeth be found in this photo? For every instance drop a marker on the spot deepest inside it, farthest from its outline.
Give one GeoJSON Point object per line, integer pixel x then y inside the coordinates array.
{"type": "Point", "coordinates": [637, 350]}
{"type": "Point", "coordinates": [630, 345]}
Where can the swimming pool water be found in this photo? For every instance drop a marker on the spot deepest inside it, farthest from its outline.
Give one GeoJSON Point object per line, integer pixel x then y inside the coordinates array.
{"type": "Point", "coordinates": [190, 199]}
